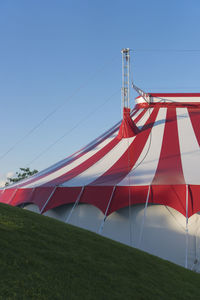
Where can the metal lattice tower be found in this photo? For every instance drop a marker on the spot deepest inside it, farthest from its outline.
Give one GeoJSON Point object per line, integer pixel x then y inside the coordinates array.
{"type": "Point", "coordinates": [125, 76]}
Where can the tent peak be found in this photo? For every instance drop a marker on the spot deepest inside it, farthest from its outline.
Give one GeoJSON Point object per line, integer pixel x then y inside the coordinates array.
{"type": "Point", "coordinates": [128, 128]}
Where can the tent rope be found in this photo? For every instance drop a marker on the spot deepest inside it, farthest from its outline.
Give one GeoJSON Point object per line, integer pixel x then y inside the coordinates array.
{"type": "Point", "coordinates": [69, 131]}
{"type": "Point", "coordinates": [197, 256]}
{"type": "Point", "coordinates": [195, 265]}
{"type": "Point", "coordinates": [186, 230]}
{"type": "Point", "coordinates": [75, 204]}
{"type": "Point", "coordinates": [129, 196]}
{"type": "Point", "coordinates": [48, 199]}
{"type": "Point", "coordinates": [175, 219]}
{"type": "Point", "coordinates": [144, 217]}
{"type": "Point", "coordinates": [107, 208]}
{"type": "Point", "coordinates": [58, 107]}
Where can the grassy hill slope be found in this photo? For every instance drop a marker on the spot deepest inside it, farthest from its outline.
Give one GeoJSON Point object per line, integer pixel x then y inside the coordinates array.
{"type": "Point", "coordinates": [41, 258]}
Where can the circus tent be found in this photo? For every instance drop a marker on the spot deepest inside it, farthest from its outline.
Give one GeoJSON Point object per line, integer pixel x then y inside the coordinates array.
{"type": "Point", "coordinates": [138, 183]}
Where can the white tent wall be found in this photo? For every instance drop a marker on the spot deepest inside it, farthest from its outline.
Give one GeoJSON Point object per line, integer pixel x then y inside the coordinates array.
{"type": "Point", "coordinates": [163, 231]}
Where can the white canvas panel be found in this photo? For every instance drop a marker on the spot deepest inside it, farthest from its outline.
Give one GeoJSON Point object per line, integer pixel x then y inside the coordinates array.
{"type": "Point", "coordinates": [189, 147]}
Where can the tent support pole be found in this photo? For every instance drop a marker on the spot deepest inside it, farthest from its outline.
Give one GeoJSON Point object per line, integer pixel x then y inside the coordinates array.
{"type": "Point", "coordinates": [105, 215]}
{"type": "Point", "coordinates": [144, 216]}
{"type": "Point", "coordinates": [186, 229]}
{"type": "Point", "coordinates": [75, 204]}
{"type": "Point", "coordinates": [48, 199]}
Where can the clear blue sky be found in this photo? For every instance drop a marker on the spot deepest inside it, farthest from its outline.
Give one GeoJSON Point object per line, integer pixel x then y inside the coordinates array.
{"type": "Point", "coordinates": [52, 50]}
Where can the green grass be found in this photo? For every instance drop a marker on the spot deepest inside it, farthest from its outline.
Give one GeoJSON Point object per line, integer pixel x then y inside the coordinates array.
{"type": "Point", "coordinates": [41, 258]}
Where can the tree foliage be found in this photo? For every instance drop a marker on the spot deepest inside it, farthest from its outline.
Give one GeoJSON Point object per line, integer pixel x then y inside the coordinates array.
{"type": "Point", "coordinates": [24, 173]}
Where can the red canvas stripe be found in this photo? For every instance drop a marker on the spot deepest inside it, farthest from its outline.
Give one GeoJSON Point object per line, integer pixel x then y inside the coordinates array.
{"type": "Point", "coordinates": [126, 162]}
{"type": "Point", "coordinates": [1, 194]}
{"type": "Point", "coordinates": [7, 195]}
{"type": "Point", "coordinates": [22, 196]}
{"type": "Point", "coordinates": [125, 196]}
{"type": "Point", "coordinates": [193, 199]}
{"type": "Point", "coordinates": [93, 195]}
{"type": "Point", "coordinates": [37, 196]}
{"type": "Point", "coordinates": [169, 169]}
{"type": "Point", "coordinates": [97, 196]}
{"type": "Point", "coordinates": [173, 196]}
{"type": "Point", "coordinates": [195, 120]}
{"type": "Point", "coordinates": [170, 195]}
{"type": "Point", "coordinates": [62, 195]}
{"type": "Point", "coordinates": [41, 196]}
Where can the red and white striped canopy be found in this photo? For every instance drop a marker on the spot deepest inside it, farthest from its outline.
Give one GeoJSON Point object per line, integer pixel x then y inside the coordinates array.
{"type": "Point", "coordinates": [157, 145]}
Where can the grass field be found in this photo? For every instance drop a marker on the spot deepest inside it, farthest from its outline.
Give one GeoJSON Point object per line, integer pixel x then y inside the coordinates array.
{"type": "Point", "coordinates": [41, 258]}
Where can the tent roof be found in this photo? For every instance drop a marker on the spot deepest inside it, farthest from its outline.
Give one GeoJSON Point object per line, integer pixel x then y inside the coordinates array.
{"type": "Point", "coordinates": [163, 153]}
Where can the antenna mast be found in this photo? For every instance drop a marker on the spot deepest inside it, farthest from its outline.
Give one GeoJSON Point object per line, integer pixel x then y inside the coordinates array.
{"type": "Point", "coordinates": [125, 76]}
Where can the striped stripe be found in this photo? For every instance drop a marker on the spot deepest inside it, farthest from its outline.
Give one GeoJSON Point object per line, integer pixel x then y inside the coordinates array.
{"type": "Point", "coordinates": [136, 114]}
{"type": "Point", "coordinates": [97, 169]}
{"type": "Point", "coordinates": [144, 170]}
{"type": "Point", "coordinates": [81, 164]}
{"type": "Point", "coordinates": [71, 170]}
{"type": "Point", "coordinates": [133, 115]}
{"type": "Point", "coordinates": [145, 117]}
{"type": "Point", "coordinates": [124, 165]}
{"type": "Point", "coordinates": [189, 147]}
{"type": "Point", "coordinates": [169, 170]}
{"type": "Point", "coordinates": [68, 160]}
